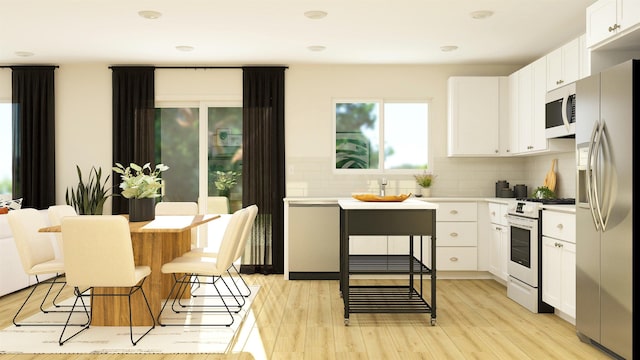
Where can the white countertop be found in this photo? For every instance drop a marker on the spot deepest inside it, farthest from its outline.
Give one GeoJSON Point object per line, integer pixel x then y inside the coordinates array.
{"type": "Point", "coordinates": [409, 204]}
{"type": "Point", "coordinates": [563, 208]}
{"type": "Point", "coordinates": [334, 200]}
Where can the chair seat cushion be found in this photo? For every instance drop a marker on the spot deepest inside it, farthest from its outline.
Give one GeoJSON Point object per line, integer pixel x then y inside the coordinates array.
{"type": "Point", "coordinates": [192, 265]}
{"type": "Point", "coordinates": [48, 267]}
{"type": "Point", "coordinates": [203, 251]}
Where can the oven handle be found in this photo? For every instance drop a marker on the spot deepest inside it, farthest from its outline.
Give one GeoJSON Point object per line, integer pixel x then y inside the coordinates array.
{"type": "Point", "coordinates": [520, 222]}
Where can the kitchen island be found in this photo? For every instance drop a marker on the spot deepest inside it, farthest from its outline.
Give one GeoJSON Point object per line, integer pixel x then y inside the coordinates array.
{"type": "Point", "coordinates": [408, 218]}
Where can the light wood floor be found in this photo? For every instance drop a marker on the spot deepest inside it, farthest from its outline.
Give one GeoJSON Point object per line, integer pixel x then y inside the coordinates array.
{"type": "Point", "coordinates": [304, 320]}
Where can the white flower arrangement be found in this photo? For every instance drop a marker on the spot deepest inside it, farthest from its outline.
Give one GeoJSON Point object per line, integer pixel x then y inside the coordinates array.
{"type": "Point", "coordinates": [140, 182]}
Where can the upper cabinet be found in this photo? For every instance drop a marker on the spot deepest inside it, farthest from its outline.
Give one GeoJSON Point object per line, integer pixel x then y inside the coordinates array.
{"type": "Point", "coordinates": [608, 19]}
{"type": "Point", "coordinates": [529, 118]}
{"type": "Point", "coordinates": [477, 116]}
{"type": "Point", "coordinates": [564, 64]}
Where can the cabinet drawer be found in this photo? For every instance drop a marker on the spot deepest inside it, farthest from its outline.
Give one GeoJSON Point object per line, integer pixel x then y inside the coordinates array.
{"type": "Point", "coordinates": [559, 225]}
{"type": "Point", "coordinates": [456, 234]}
{"type": "Point", "coordinates": [457, 258]}
{"type": "Point", "coordinates": [457, 211]}
{"type": "Point", "coordinates": [497, 213]}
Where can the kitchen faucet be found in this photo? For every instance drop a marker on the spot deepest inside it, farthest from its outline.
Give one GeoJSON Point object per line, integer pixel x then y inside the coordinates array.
{"type": "Point", "coordinates": [383, 184]}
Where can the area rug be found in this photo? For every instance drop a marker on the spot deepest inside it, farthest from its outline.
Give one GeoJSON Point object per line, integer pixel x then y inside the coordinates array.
{"type": "Point", "coordinates": [116, 340]}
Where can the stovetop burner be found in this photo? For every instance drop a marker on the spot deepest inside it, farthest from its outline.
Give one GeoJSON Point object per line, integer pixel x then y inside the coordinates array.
{"type": "Point", "coordinates": [561, 201]}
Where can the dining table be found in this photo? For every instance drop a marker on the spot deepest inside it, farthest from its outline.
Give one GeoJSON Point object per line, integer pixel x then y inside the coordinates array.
{"type": "Point", "coordinates": [154, 243]}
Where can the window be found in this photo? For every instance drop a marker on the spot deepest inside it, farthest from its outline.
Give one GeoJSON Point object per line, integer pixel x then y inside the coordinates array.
{"type": "Point", "coordinates": [379, 136]}
{"type": "Point", "coordinates": [6, 149]}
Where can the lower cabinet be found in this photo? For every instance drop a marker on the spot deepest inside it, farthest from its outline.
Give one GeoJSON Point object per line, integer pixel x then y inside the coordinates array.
{"type": "Point", "coordinates": [457, 236]}
{"type": "Point", "coordinates": [559, 274]}
{"type": "Point", "coordinates": [499, 249]}
{"type": "Point", "coordinates": [499, 255]}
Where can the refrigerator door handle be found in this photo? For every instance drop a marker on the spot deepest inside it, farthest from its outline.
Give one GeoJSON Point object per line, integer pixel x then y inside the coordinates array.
{"type": "Point", "coordinates": [589, 175]}
{"type": "Point", "coordinates": [598, 151]}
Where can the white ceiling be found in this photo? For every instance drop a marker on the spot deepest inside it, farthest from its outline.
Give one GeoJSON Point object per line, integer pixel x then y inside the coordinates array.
{"type": "Point", "coordinates": [276, 32]}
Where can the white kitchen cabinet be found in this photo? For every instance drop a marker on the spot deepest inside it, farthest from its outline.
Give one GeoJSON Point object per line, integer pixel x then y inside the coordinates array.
{"type": "Point", "coordinates": [532, 88]}
{"type": "Point", "coordinates": [559, 261]}
{"type": "Point", "coordinates": [528, 112]}
{"type": "Point", "coordinates": [478, 105]}
{"type": "Point", "coordinates": [457, 236]}
{"type": "Point", "coordinates": [499, 252]}
{"type": "Point", "coordinates": [563, 65]}
{"type": "Point", "coordinates": [609, 19]}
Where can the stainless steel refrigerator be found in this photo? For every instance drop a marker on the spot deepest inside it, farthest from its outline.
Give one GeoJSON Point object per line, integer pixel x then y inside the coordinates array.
{"type": "Point", "coordinates": [607, 106]}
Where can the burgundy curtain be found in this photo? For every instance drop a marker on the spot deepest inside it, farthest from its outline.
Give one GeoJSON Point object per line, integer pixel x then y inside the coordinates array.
{"type": "Point", "coordinates": [34, 135]}
{"type": "Point", "coordinates": [133, 117]}
{"type": "Point", "coordinates": [263, 177]}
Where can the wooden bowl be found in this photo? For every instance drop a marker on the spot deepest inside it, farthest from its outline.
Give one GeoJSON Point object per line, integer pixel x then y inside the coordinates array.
{"type": "Point", "coordinates": [378, 198]}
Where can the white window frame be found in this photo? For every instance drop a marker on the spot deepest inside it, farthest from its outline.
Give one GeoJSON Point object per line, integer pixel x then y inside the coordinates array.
{"type": "Point", "coordinates": [381, 102]}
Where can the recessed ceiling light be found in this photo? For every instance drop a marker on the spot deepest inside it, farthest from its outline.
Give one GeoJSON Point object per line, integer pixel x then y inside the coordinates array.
{"type": "Point", "coordinates": [448, 48]}
{"type": "Point", "coordinates": [24, 53]}
{"type": "Point", "coordinates": [184, 48]}
{"type": "Point", "coordinates": [315, 14]}
{"type": "Point", "coordinates": [481, 14]}
{"type": "Point", "coordinates": [316, 48]}
{"type": "Point", "coordinates": [149, 14]}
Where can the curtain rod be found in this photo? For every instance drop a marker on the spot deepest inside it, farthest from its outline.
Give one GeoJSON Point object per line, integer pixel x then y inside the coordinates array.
{"type": "Point", "coordinates": [12, 66]}
{"type": "Point", "coordinates": [204, 67]}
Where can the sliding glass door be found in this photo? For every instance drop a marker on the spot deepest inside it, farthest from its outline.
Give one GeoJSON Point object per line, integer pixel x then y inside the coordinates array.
{"type": "Point", "coordinates": [202, 145]}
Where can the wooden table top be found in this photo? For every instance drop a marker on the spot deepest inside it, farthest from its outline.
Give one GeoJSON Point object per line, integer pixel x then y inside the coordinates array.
{"type": "Point", "coordinates": [173, 223]}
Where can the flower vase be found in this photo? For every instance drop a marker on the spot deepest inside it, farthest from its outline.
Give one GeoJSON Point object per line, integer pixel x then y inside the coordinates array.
{"type": "Point", "coordinates": [426, 192]}
{"type": "Point", "coordinates": [142, 209]}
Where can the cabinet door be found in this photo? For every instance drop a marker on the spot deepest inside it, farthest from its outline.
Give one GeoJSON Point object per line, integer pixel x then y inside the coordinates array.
{"type": "Point", "coordinates": [563, 65]}
{"type": "Point", "coordinates": [525, 110]}
{"type": "Point", "coordinates": [628, 14]}
{"type": "Point", "coordinates": [495, 261]}
{"type": "Point", "coordinates": [568, 305]}
{"type": "Point", "coordinates": [601, 16]}
{"type": "Point", "coordinates": [505, 248]}
{"type": "Point", "coordinates": [474, 108]}
{"type": "Point", "coordinates": [539, 93]}
{"type": "Point", "coordinates": [551, 272]}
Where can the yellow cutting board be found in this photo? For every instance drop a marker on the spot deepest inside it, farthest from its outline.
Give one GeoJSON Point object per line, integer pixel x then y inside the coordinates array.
{"type": "Point", "coordinates": [550, 179]}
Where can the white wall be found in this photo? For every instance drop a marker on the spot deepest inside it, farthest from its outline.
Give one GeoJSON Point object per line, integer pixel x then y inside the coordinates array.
{"type": "Point", "coordinates": [83, 120]}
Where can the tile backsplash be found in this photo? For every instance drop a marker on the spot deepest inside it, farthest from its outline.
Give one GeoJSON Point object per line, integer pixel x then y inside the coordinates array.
{"type": "Point", "coordinates": [455, 177]}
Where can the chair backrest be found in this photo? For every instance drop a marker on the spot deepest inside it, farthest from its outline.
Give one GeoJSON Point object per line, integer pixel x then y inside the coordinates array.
{"type": "Point", "coordinates": [179, 208]}
{"type": "Point", "coordinates": [176, 208]}
{"type": "Point", "coordinates": [252, 212]}
{"type": "Point", "coordinates": [98, 251]}
{"type": "Point", "coordinates": [33, 247]}
{"type": "Point", "coordinates": [57, 212]}
{"type": "Point", "coordinates": [231, 240]}
{"type": "Point", "coordinates": [217, 205]}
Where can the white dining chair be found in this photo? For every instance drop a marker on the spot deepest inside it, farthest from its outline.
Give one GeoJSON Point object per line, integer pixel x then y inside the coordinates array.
{"type": "Point", "coordinates": [186, 268]}
{"type": "Point", "coordinates": [38, 258]}
{"type": "Point", "coordinates": [180, 208]}
{"type": "Point", "coordinates": [237, 257]}
{"type": "Point", "coordinates": [99, 253]}
{"type": "Point", "coordinates": [55, 214]}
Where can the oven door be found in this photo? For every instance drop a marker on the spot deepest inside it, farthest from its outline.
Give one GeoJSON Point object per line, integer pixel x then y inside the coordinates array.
{"type": "Point", "coordinates": [523, 249]}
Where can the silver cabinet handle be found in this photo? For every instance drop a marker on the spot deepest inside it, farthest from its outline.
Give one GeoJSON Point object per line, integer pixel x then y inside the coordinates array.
{"type": "Point", "coordinates": [493, 213]}
{"type": "Point", "coordinates": [453, 258]}
{"type": "Point", "coordinates": [560, 226]}
{"type": "Point", "coordinates": [453, 212]}
{"type": "Point", "coordinates": [453, 234]}
{"type": "Point", "coordinates": [559, 245]}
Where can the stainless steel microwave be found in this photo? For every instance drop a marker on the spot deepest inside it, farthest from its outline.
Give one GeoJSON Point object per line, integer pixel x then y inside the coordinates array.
{"type": "Point", "coordinates": [560, 112]}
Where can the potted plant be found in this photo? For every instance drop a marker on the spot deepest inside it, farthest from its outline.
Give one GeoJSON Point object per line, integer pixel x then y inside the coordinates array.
{"type": "Point", "coordinates": [141, 185]}
{"type": "Point", "coordinates": [89, 197]}
{"type": "Point", "coordinates": [225, 181]}
{"type": "Point", "coordinates": [424, 180]}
